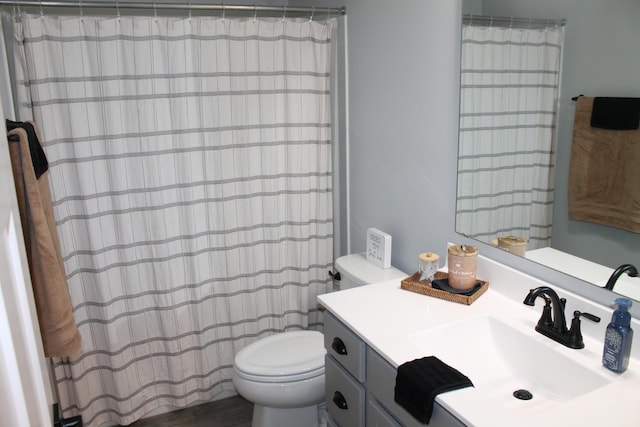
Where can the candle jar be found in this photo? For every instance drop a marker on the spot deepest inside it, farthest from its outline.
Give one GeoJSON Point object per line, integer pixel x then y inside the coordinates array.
{"type": "Point", "coordinates": [514, 244]}
{"type": "Point", "coordinates": [462, 263]}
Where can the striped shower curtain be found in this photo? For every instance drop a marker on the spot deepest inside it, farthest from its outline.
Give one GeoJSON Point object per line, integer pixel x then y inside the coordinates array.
{"type": "Point", "coordinates": [191, 177]}
{"type": "Point", "coordinates": [508, 103]}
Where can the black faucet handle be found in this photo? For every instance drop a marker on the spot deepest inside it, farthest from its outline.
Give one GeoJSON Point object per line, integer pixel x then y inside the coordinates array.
{"type": "Point", "coordinates": [545, 319]}
{"type": "Point", "coordinates": [589, 316]}
{"type": "Point", "coordinates": [574, 337]}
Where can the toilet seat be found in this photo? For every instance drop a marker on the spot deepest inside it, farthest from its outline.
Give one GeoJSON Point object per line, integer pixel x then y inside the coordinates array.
{"type": "Point", "coordinates": [284, 357]}
{"type": "Point", "coordinates": [279, 378]}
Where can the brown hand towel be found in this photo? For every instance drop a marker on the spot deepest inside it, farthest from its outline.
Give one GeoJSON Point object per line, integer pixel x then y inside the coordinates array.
{"type": "Point", "coordinates": [60, 335]}
{"type": "Point", "coordinates": [419, 382]}
{"type": "Point", "coordinates": [604, 173]}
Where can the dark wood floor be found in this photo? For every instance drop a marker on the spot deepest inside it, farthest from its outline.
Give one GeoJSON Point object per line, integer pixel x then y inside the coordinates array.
{"type": "Point", "coordinates": [230, 412]}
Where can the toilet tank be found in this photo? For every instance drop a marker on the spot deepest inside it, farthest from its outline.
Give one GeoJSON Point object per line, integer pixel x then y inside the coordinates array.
{"type": "Point", "coordinates": [355, 270]}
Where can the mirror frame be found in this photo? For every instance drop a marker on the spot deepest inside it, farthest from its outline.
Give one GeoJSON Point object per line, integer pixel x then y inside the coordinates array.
{"type": "Point", "coordinates": [554, 277]}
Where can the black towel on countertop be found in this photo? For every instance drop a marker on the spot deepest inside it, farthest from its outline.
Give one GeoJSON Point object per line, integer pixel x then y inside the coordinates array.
{"type": "Point", "coordinates": [615, 113]}
{"type": "Point", "coordinates": [38, 158]}
{"type": "Point", "coordinates": [419, 382]}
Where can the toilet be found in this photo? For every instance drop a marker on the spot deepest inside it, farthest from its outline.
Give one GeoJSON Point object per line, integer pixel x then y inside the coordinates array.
{"type": "Point", "coordinates": [283, 374]}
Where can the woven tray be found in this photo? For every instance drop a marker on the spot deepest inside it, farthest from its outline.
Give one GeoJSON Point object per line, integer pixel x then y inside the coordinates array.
{"type": "Point", "coordinates": [412, 284]}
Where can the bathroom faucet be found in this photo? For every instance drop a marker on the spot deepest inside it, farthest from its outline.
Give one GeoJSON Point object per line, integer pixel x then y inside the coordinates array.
{"type": "Point", "coordinates": [628, 268]}
{"type": "Point", "coordinates": [559, 323]}
{"type": "Point", "coordinates": [554, 325]}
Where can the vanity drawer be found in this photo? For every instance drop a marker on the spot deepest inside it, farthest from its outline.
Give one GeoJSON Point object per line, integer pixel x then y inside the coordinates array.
{"type": "Point", "coordinates": [377, 416]}
{"type": "Point", "coordinates": [382, 385]}
{"type": "Point", "coordinates": [344, 346]}
{"type": "Point", "coordinates": [344, 397]}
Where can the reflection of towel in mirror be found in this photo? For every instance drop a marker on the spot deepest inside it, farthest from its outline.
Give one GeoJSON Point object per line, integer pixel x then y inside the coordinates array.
{"type": "Point", "coordinates": [616, 113]}
{"type": "Point", "coordinates": [604, 173]}
{"type": "Point", "coordinates": [60, 335]}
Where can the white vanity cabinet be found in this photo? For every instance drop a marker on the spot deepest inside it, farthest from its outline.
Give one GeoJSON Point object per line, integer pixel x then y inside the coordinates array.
{"type": "Point", "coordinates": [360, 385]}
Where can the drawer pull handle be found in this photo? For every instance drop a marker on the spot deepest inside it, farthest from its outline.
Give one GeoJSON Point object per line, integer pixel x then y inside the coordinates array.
{"type": "Point", "coordinates": [339, 346]}
{"type": "Point", "coordinates": [340, 401]}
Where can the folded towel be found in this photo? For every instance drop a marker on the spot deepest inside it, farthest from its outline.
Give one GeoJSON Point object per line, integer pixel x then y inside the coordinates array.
{"type": "Point", "coordinates": [419, 382]}
{"type": "Point", "coordinates": [616, 113]}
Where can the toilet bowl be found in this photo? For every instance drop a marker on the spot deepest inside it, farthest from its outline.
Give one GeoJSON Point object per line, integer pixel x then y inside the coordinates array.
{"type": "Point", "coordinates": [283, 374]}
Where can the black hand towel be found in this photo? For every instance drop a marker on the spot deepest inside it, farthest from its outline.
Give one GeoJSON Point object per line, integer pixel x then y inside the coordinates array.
{"type": "Point", "coordinates": [419, 382]}
{"type": "Point", "coordinates": [38, 158]}
{"type": "Point", "coordinates": [615, 113]}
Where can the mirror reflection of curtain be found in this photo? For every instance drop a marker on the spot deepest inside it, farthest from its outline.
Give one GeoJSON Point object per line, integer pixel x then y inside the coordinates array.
{"type": "Point", "coordinates": [509, 87]}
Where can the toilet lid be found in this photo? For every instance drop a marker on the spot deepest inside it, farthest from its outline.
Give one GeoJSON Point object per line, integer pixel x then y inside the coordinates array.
{"type": "Point", "coordinates": [296, 355]}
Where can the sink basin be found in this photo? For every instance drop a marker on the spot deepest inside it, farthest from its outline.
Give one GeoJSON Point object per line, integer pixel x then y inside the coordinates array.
{"type": "Point", "coordinates": [500, 359]}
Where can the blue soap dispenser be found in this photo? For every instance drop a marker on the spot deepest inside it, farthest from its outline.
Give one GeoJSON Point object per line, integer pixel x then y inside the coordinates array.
{"type": "Point", "coordinates": [617, 340]}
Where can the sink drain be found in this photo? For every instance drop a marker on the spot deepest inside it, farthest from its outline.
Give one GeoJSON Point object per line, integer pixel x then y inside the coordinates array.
{"type": "Point", "coordinates": [522, 394]}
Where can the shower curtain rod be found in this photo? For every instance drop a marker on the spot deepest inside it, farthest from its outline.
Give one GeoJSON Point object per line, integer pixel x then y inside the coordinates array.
{"type": "Point", "coordinates": [243, 9]}
{"type": "Point", "coordinates": [502, 21]}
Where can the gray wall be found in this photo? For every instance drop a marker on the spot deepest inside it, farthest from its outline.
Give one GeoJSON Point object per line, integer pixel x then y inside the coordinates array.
{"type": "Point", "coordinates": [601, 58]}
{"type": "Point", "coordinates": [403, 119]}
{"type": "Point", "coordinates": [403, 65]}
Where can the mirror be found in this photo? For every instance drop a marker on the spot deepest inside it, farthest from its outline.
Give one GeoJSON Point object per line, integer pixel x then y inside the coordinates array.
{"type": "Point", "coordinates": [601, 57]}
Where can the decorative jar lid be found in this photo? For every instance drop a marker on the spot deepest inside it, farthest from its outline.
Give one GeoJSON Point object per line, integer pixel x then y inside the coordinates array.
{"type": "Point", "coordinates": [463, 250]}
{"type": "Point", "coordinates": [429, 257]}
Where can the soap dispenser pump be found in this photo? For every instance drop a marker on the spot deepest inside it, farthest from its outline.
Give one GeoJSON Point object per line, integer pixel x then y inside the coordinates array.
{"type": "Point", "coordinates": [617, 340]}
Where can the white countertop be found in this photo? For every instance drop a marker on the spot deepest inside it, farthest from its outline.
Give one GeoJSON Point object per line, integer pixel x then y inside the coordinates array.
{"type": "Point", "coordinates": [386, 317]}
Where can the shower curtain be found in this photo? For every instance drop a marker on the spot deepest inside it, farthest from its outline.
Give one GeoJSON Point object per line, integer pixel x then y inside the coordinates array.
{"type": "Point", "coordinates": [191, 180]}
{"type": "Point", "coordinates": [508, 103]}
